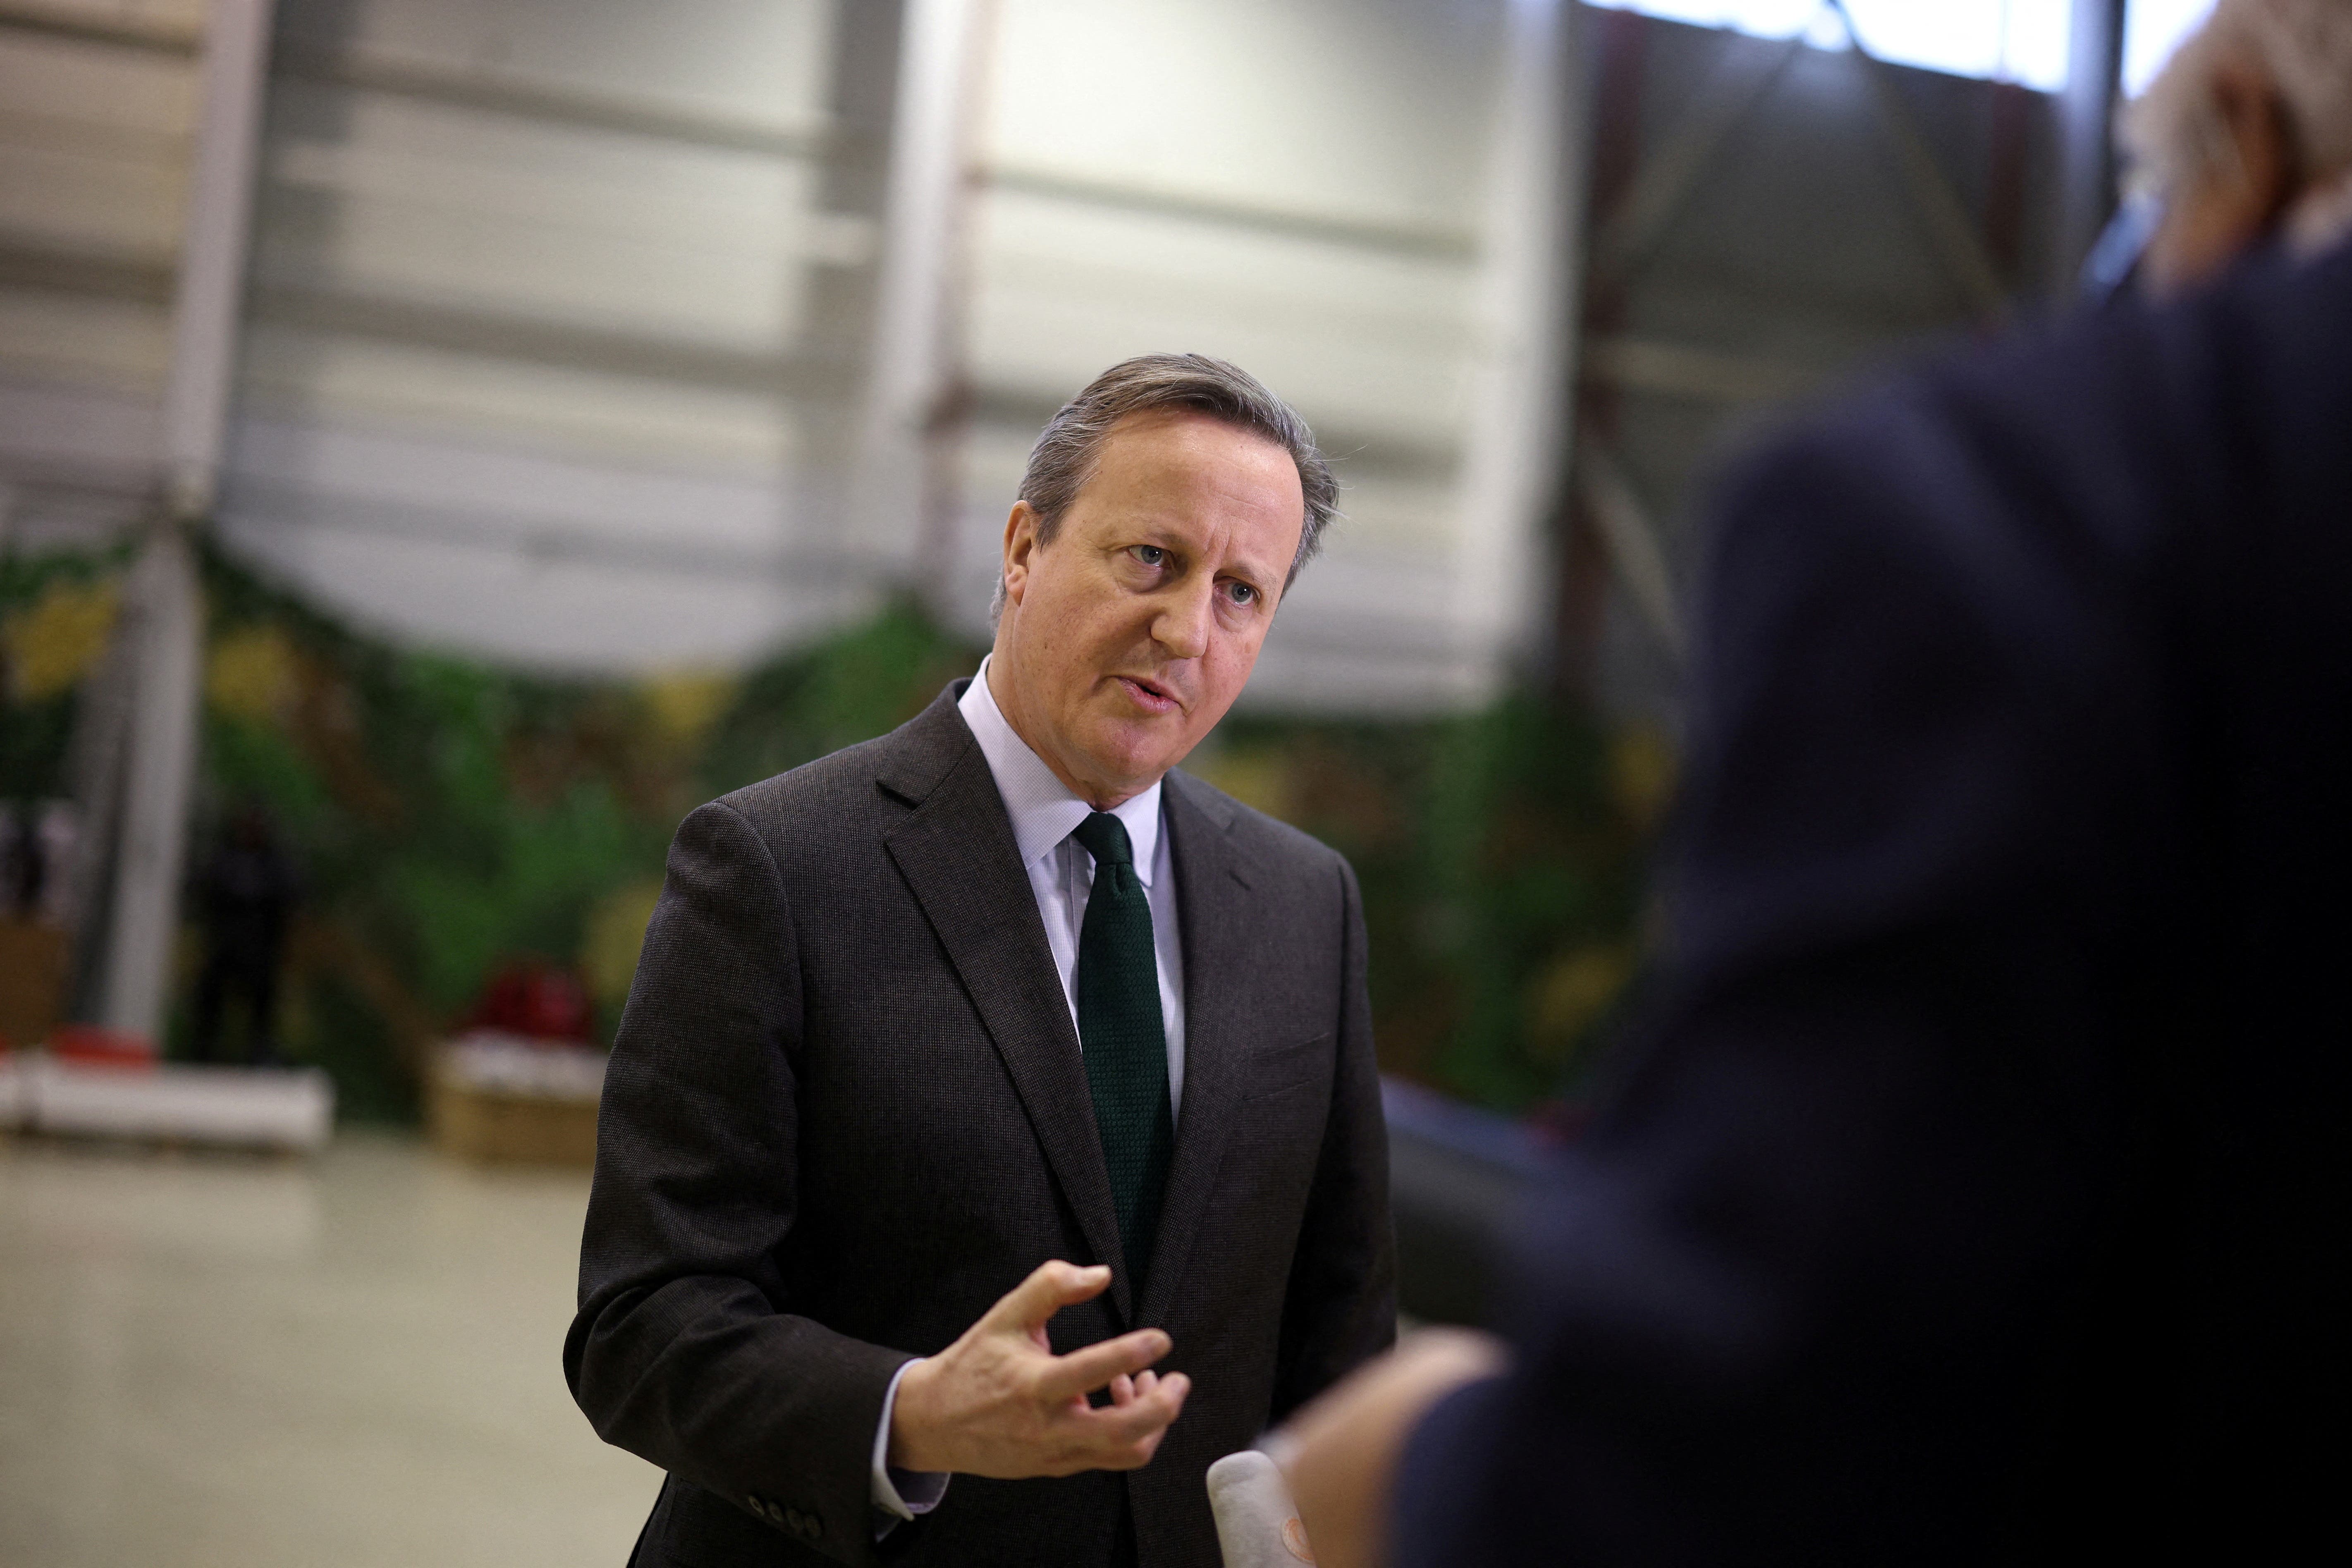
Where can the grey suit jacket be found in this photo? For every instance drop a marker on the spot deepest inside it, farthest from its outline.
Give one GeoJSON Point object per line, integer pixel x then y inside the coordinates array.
{"type": "Point", "coordinates": [847, 1111]}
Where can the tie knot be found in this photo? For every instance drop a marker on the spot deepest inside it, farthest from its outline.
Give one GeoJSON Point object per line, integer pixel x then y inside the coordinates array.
{"type": "Point", "coordinates": [1105, 837]}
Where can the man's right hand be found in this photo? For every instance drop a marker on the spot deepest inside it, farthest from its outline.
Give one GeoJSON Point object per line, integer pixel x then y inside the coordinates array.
{"type": "Point", "coordinates": [1000, 1402]}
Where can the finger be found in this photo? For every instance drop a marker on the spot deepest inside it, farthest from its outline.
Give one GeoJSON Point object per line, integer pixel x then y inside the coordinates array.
{"type": "Point", "coordinates": [1145, 1381]}
{"type": "Point", "coordinates": [1122, 1388]}
{"type": "Point", "coordinates": [1114, 1434]}
{"type": "Point", "coordinates": [1084, 1371]}
{"type": "Point", "coordinates": [1049, 1288]}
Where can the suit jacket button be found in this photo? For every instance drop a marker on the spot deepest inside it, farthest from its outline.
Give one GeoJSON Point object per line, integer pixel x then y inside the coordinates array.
{"type": "Point", "coordinates": [816, 1527]}
{"type": "Point", "coordinates": [759, 1505]}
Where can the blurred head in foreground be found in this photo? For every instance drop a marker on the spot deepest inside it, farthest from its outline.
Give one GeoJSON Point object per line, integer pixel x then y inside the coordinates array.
{"type": "Point", "coordinates": [1165, 511]}
{"type": "Point", "coordinates": [2245, 137]}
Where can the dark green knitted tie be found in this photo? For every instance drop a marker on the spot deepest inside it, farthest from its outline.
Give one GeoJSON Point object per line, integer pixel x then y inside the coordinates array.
{"type": "Point", "coordinates": [1125, 1039]}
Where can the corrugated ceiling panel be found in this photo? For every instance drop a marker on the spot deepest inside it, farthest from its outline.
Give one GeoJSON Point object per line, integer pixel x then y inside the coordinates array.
{"type": "Point", "coordinates": [529, 326]}
{"type": "Point", "coordinates": [95, 104]}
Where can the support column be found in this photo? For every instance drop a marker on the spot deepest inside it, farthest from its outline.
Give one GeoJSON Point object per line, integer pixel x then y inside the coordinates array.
{"type": "Point", "coordinates": [854, 190]}
{"type": "Point", "coordinates": [1531, 276]}
{"type": "Point", "coordinates": [2086, 157]}
{"type": "Point", "coordinates": [918, 319]}
{"type": "Point", "coordinates": [163, 619]}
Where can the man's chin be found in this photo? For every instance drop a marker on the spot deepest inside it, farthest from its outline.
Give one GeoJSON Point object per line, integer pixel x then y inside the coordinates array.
{"type": "Point", "coordinates": [1135, 751]}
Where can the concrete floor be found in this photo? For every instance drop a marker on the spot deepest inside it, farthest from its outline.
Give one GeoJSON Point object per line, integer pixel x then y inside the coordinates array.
{"type": "Point", "coordinates": [351, 1360]}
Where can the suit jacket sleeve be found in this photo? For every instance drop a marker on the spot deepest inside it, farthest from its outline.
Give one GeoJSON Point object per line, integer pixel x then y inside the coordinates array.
{"type": "Point", "coordinates": [1811, 1289]}
{"type": "Point", "coordinates": [1340, 1306]}
{"type": "Point", "coordinates": [686, 1349]}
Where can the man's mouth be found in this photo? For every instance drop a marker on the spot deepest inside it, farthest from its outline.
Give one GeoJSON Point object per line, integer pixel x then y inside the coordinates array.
{"type": "Point", "coordinates": [1149, 695]}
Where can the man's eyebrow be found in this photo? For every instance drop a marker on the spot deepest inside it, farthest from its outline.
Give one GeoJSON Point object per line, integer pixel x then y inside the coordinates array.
{"type": "Point", "coordinates": [1249, 572]}
{"type": "Point", "coordinates": [1171, 538]}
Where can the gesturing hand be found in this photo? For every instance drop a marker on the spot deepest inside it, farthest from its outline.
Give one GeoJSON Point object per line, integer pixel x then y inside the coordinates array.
{"type": "Point", "coordinates": [1000, 1402]}
{"type": "Point", "coordinates": [1339, 1454]}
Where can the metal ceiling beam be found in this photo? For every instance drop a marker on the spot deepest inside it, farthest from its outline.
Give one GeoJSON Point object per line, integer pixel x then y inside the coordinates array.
{"type": "Point", "coordinates": [564, 345]}
{"type": "Point", "coordinates": [84, 25]}
{"type": "Point", "coordinates": [547, 101]}
{"type": "Point", "coordinates": [1436, 242]}
{"type": "Point", "coordinates": [1662, 186]}
{"type": "Point", "coordinates": [1677, 370]}
{"type": "Point", "coordinates": [1949, 226]}
{"type": "Point", "coordinates": [1636, 547]}
{"type": "Point", "coordinates": [37, 263]}
{"type": "Point", "coordinates": [543, 100]}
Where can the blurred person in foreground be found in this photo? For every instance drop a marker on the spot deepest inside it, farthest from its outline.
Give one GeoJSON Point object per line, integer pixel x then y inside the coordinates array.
{"type": "Point", "coordinates": [1968, 1193]}
{"type": "Point", "coordinates": [990, 1065]}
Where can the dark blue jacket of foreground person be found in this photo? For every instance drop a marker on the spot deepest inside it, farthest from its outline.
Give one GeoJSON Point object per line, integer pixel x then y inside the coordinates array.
{"type": "Point", "coordinates": [1965, 1197]}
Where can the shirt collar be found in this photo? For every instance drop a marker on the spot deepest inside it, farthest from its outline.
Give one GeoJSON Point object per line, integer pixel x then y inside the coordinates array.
{"type": "Point", "coordinates": [1043, 809]}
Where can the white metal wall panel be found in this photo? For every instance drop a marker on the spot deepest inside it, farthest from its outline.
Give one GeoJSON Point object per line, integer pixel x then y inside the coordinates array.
{"type": "Point", "coordinates": [97, 102]}
{"type": "Point", "coordinates": [528, 369]}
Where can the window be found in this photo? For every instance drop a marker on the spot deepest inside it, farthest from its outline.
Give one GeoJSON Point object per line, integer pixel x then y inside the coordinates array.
{"type": "Point", "coordinates": [2010, 40]}
{"type": "Point", "coordinates": [2152, 30]}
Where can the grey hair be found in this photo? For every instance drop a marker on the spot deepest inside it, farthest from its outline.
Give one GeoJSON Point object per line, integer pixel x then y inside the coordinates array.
{"type": "Point", "coordinates": [2171, 131]}
{"type": "Point", "coordinates": [1069, 451]}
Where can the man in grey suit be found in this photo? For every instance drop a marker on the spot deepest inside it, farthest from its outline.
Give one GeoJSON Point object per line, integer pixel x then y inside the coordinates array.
{"type": "Point", "coordinates": [989, 1094]}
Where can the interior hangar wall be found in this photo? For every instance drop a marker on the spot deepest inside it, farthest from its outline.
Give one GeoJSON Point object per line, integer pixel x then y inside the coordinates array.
{"type": "Point", "coordinates": [559, 312]}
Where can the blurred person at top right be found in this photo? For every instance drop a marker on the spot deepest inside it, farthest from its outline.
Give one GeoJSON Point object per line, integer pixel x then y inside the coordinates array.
{"type": "Point", "coordinates": [2245, 138]}
{"type": "Point", "coordinates": [1970, 1188]}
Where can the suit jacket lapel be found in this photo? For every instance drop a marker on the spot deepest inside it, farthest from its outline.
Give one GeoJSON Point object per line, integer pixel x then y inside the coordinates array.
{"type": "Point", "coordinates": [957, 853]}
{"type": "Point", "coordinates": [1213, 906]}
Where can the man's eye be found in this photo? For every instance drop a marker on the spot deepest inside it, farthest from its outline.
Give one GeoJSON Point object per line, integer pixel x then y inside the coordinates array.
{"type": "Point", "coordinates": [1150, 554]}
{"type": "Point", "coordinates": [1243, 594]}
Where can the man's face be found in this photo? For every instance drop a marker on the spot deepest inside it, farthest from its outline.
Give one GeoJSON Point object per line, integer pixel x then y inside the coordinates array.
{"type": "Point", "coordinates": [1125, 640]}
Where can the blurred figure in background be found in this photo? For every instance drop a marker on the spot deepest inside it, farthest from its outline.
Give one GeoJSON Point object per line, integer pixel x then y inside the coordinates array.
{"type": "Point", "coordinates": [245, 890]}
{"type": "Point", "coordinates": [1968, 1193]}
{"type": "Point", "coordinates": [25, 870]}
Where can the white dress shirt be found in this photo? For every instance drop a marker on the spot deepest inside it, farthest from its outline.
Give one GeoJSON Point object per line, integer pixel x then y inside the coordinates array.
{"type": "Point", "coordinates": [1061, 875]}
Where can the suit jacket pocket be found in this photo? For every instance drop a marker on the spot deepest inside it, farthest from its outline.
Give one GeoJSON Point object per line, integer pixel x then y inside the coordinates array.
{"type": "Point", "coordinates": [1290, 1067]}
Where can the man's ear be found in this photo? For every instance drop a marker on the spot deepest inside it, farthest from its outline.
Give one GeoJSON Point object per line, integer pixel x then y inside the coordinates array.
{"type": "Point", "coordinates": [1020, 546]}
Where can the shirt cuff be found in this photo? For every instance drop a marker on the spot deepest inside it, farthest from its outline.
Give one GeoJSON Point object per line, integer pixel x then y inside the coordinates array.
{"type": "Point", "coordinates": [901, 1494]}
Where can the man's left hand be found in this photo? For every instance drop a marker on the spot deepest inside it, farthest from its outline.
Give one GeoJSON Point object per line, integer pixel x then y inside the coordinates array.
{"type": "Point", "coordinates": [1339, 1452]}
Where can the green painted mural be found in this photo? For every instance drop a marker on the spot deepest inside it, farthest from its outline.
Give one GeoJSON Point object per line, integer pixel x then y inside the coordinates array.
{"type": "Point", "coordinates": [451, 821]}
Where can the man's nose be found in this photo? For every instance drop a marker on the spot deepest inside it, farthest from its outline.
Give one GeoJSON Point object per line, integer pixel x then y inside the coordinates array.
{"type": "Point", "coordinates": [1182, 626]}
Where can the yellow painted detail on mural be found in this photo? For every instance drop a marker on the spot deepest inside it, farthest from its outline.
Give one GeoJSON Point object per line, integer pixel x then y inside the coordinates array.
{"type": "Point", "coordinates": [1642, 767]}
{"type": "Point", "coordinates": [1258, 779]}
{"type": "Point", "coordinates": [684, 705]}
{"type": "Point", "coordinates": [615, 935]}
{"type": "Point", "coordinates": [252, 674]}
{"type": "Point", "coordinates": [51, 646]}
{"type": "Point", "coordinates": [1571, 994]}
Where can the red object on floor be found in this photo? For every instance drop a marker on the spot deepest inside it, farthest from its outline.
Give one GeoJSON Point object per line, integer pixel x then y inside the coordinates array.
{"type": "Point", "coordinates": [87, 1045]}
{"type": "Point", "coordinates": [538, 1001]}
